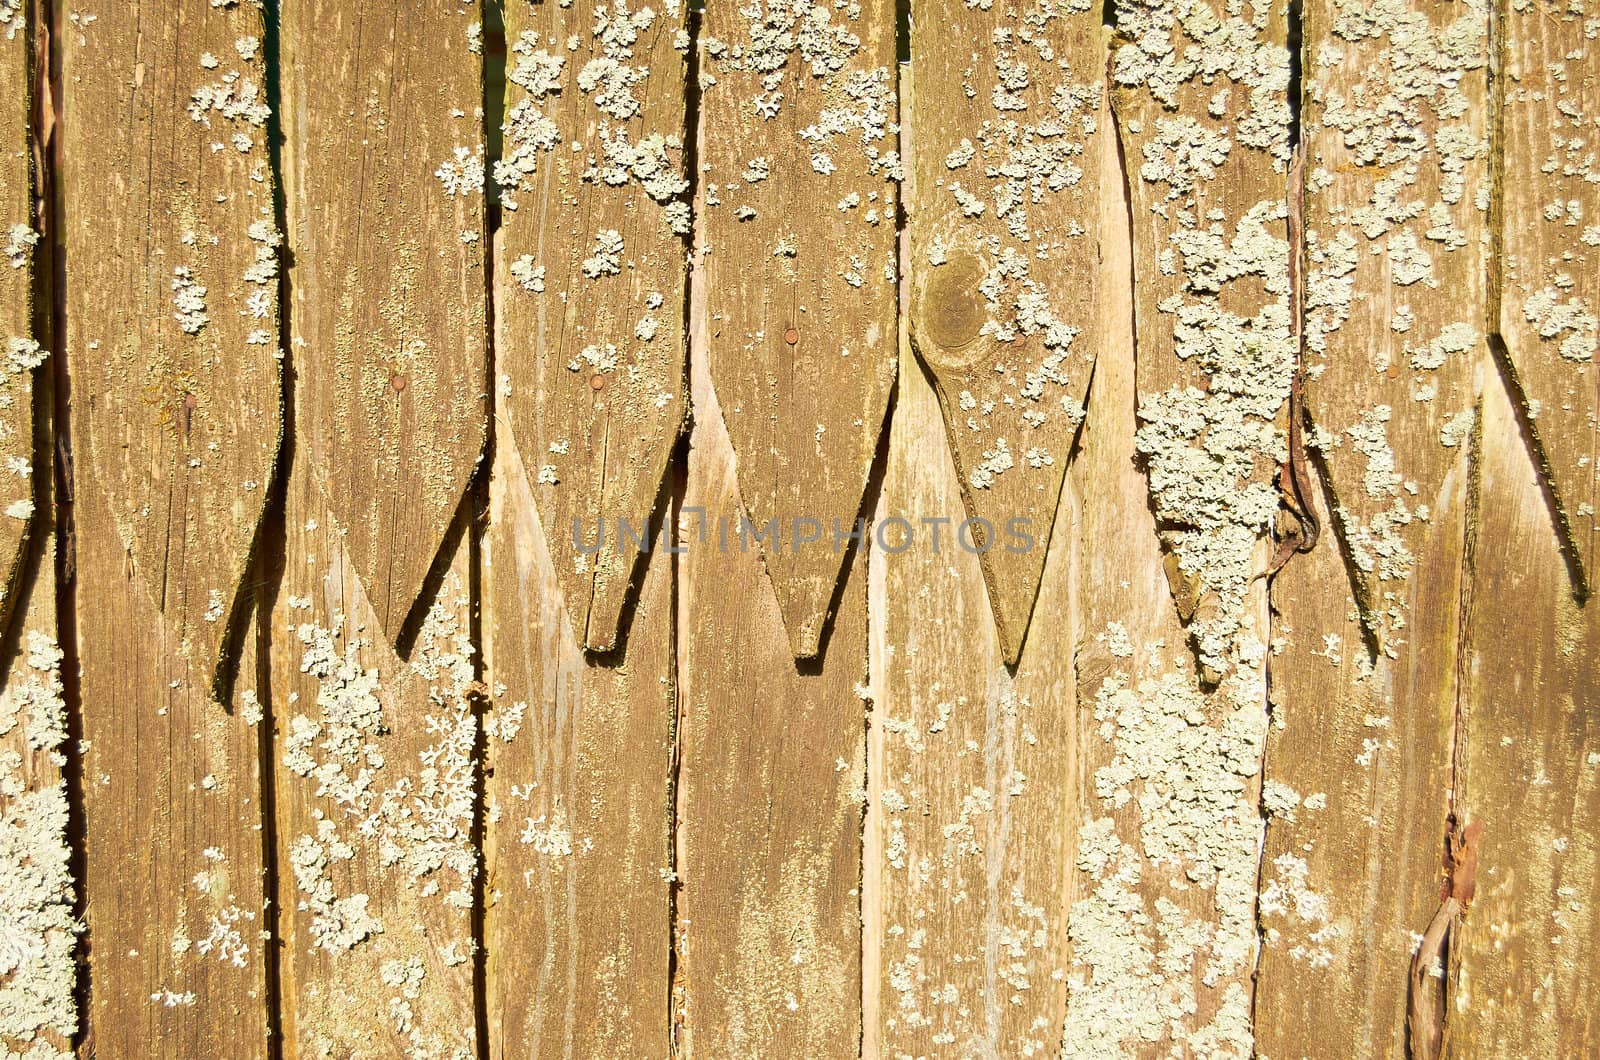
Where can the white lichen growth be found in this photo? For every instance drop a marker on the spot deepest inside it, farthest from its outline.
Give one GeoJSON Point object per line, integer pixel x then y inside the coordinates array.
{"type": "Point", "coordinates": [37, 928]}
{"type": "Point", "coordinates": [188, 301]}
{"type": "Point", "coordinates": [20, 241]}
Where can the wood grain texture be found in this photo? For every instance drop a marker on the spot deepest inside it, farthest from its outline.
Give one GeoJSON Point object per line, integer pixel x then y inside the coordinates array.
{"type": "Point", "coordinates": [376, 781]}
{"type": "Point", "coordinates": [589, 296]}
{"type": "Point", "coordinates": [383, 177]}
{"type": "Point", "coordinates": [171, 297]}
{"type": "Point", "coordinates": [1396, 205]}
{"type": "Point", "coordinates": [1201, 97]}
{"type": "Point", "coordinates": [1161, 907]}
{"type": "Point", "coordinates": [170, 316]}
{"type": "Point", "coordinates": [798, 160]}
{"type": "Point", "coordinates": [1548, 243]}
{"type": "Point", "coordinates": [1357, 792]}
{"type": "Point", "coordinates": [18, 235]}
{"type": "Point", "coordinates": [974, 794]}
{"type": "Point", "coordinates": [771, 785]}
{"type": "Point", "coordinates": [1003, 261]}
{"type": "Point", "coordinates": [38, 971]}
{"type": "Point", "coordinates": [1529, 772]}
{"type": "Point", "coordinates": [1365, 664]}
{"type": "Point", "coordinates": [578, 834]}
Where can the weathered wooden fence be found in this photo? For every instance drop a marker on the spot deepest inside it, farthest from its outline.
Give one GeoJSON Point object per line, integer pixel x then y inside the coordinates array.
{"type": "Point", "coordinates": [1211, 674]}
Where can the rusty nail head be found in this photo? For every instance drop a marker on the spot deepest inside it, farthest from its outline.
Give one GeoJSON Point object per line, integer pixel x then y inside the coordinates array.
{"type": "Point", "coordinates": [397, 382]}
{"type": "Point", "coordinates": [791, 336]}
{"type": "Point", "coordinates": [597, 382]}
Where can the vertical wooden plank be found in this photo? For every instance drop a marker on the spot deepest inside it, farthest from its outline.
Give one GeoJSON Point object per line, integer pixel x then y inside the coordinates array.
{"type": "Point", "coordinates": [975, 799]}
{"type": "Point", "coordinates": [771, 784]}
{"type": "Point", "coordinates": [1202, 104]}
{"type": "Point", "coordinates": [1528, 771]}
{"type": "Point", "coordinates": [798, 160]}
{"type": "Point", "coordinates": [1365, 663]}
{"type": "Point", "coordinates": [1549, 249]}
{"type": "Point", "coordinates": [1396, 276]}
{"type": "Point", "coordinates": [1163, 918]}
{"type": "Point", "coordinates": [1161, 910]}
{"type": "Point", "coordinates": [1003, 261]}
{"type": "Point", "coordinates": [170, 291]}
{"type": "Point", "coordinates": [578, 784]}
{"type": "Point", "coordinates": [1529, 949]}
{"type": "Point", "coordinates": [17, 238]}
{"type": "Point", "coordinates": [376, 783]}
{"type": "Point", "coordinates": [590, 285]}
{"type": "Point", "coordinates": [376, 770]}
{"type": "Point", "coordinates": [383, 170]}
{"type": "Point", "coordinates": [38, 967]}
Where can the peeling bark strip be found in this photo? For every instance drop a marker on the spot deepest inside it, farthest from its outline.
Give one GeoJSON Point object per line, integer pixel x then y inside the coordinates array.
{"type": "Point", "coordinates": [578, 832]}
{"type": "Point", "coordinates": [171, 291]}
{"type": "Point", "coordinates": [170, 309]}
{"type": "Point", "coordinates": [975, 793]}
{"type": "Point", "coordinates": [772, 779]}
{"type": "Point", "coordinates": [1426, 1016]}
{"type": "Point", "coordinates": [799, 159]}
{"type": "Point", "coordinates": [1396, 200]}
{"type": "Point", "coordinates": [383, 174]}
{"type": "Point", "coordinates": [21, 350]}
{"type": "Point", "coordinates": [1003, 260]}
{"type": "Point", "coordinates": [590, 284]}
{"type": "Point", "coordinates": [1548, 240]}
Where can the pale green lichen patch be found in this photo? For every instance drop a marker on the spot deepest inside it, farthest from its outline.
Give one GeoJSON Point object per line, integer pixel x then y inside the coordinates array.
{"type": "Point", "coordinates": [1165, 936]}
{"type": "Point", "coordinates": [38, 932]}
{"type": "Point", "coordinates": [390, 804]}
{"type": "Point", "coordinates": [1181, 815]}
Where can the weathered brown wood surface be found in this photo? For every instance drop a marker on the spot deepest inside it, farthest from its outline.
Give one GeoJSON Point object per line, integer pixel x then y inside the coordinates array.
{"type": "Point", "coordinates": [1365, 661]}
{"type": "Point", "coordinates": [773, 750]}
{"type": "Point", "coordinates": [19, 234]}
{"type": "Point", "coordinates": [1002, 261]}
{"type": "Point", "coordinates": [578, 754]}
{"type": "Point", "coordinates": [169, 300]}
{"type": "Point", "coordinates": [376, 758]}
{"type": "Point", "coordinates": [323, 735]}
{"type": "Point", "coordinates": [383, 171]}
{"type": "Point", "coordinates": [974, 789]}
{"type": "Point", "coordinates": [797, 248]}
{"type": "Point", "coordinates": [589, 298]}
{"type": "Point", "coordinates": [1548, 244]}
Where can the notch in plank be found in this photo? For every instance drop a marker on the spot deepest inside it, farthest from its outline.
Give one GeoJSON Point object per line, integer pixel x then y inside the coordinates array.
{"type": "Point", "coordinates": [1003, 207]}
{"type": "Point", "coordinates": [589, 285]}
{"type": "Point", "coordinates": [799, 159]}
{"type": "Point", "coordinates": [171, 296]}
{"type": "Point", "coordinates": [383, 163]}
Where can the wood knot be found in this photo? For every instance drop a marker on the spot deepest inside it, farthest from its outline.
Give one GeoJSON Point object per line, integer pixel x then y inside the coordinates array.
{"type": "Point", "coordinates": [952, 313]}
